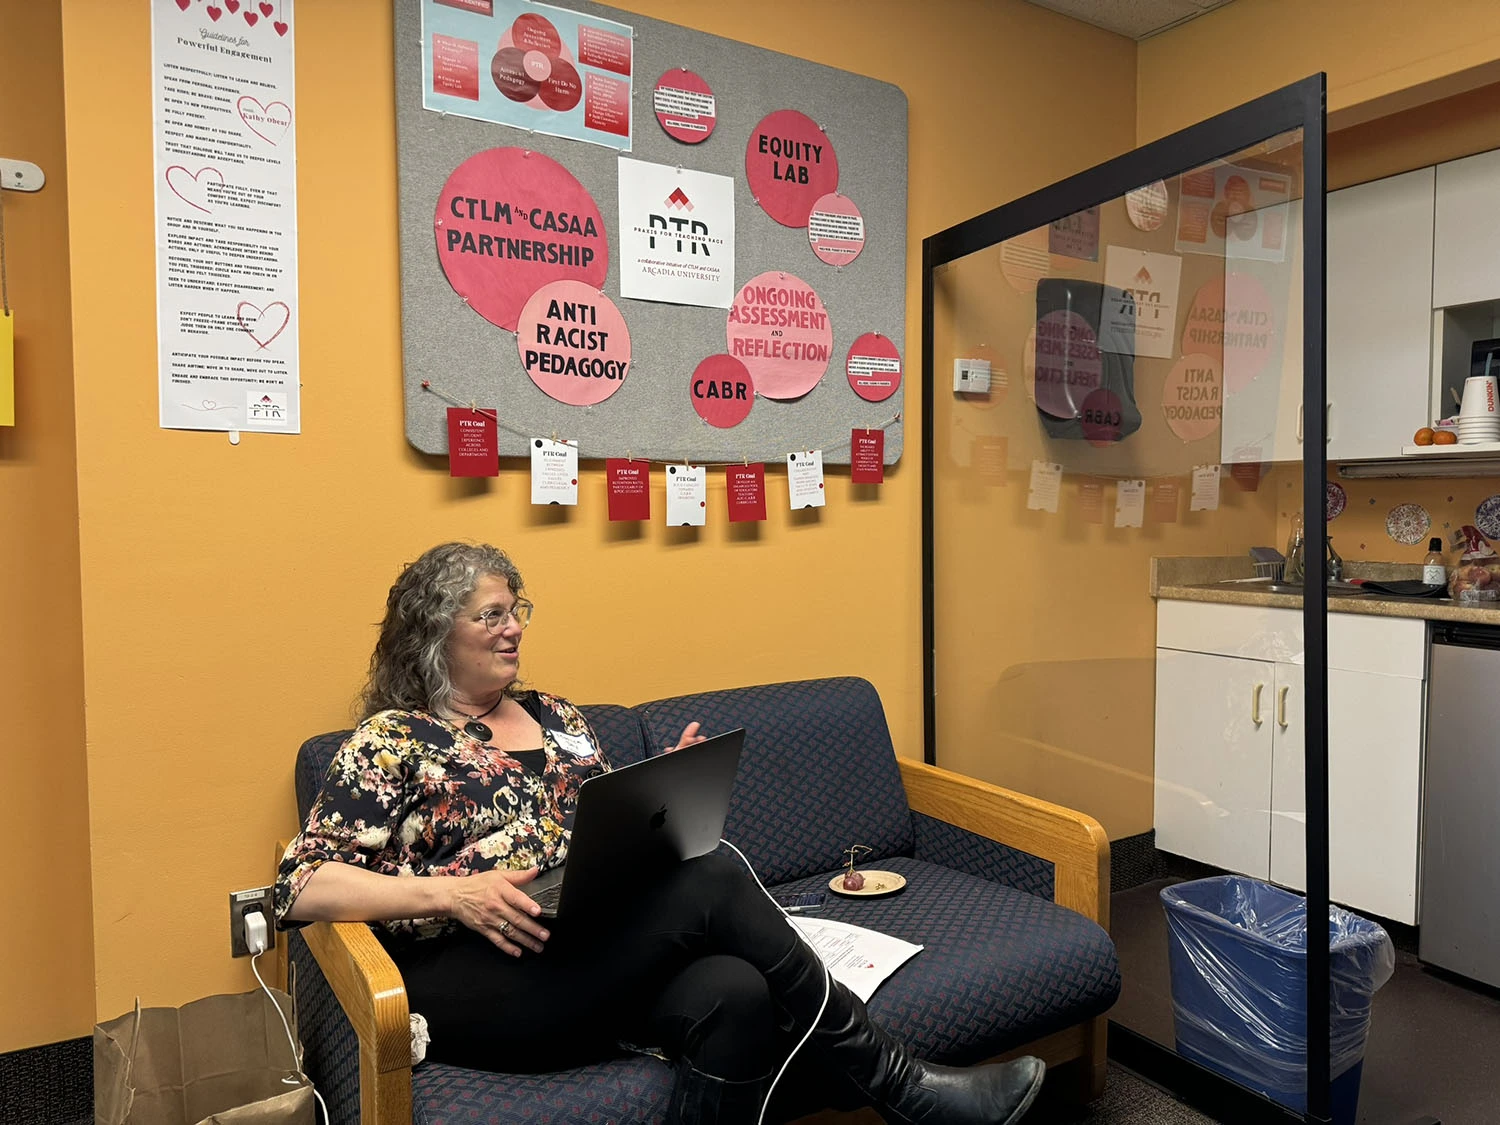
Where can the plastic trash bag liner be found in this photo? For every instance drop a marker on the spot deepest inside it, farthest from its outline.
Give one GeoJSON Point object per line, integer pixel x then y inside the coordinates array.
{"type": "Point", "coordinates": [1238, 951]}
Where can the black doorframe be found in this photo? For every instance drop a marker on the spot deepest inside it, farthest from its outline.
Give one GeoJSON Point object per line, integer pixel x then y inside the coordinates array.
{"type": "Point", "coordinates": [1302, 105]}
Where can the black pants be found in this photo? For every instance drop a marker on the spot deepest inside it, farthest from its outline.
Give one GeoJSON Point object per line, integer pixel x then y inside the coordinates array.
{"type": "Point", "coordinates": [676, 967]}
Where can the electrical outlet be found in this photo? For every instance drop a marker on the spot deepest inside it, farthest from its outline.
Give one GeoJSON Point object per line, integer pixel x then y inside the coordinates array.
{"type": "Point", "coordinates": [240, 904]}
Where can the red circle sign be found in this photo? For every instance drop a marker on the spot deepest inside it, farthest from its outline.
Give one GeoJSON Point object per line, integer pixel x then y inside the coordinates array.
{"type": "Point", "coordinates": [685, 107]}
{"type": "Point", "coordinates": [510, 221]}
{"type": "Point", "coordinates": [874, 367]}
{"type": "Point", "coordinates": [836, 229]}
{"type": "Point", "coordinates": [573, 343]}
{"type": "Point", "coordinates": [780, 330]}
{"type": "Point", "coordinates": [790, 164]}
{"type": "Point", "coordinates": [722, 391]}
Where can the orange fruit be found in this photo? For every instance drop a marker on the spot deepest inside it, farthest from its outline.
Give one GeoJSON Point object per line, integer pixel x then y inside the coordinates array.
{"type": "Point", "coordinates": [1444, 437]}
{"type": "Point", "coordinates": [1424, 436]}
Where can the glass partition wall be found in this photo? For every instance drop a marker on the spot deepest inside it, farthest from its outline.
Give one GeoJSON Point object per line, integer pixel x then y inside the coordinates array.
{"type": "Point", "coordinates": [1125, 606]}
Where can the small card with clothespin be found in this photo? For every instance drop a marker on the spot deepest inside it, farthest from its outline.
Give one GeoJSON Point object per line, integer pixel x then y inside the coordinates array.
{"type": "Point", "coordinates": [687, 495]}
{"type": "Point", "coordinates": [804, 479]}
{"type": "Point", "coordinates": [867, 457]}
{"type": "Point", "coordinates": [554, 471]}
{"type": "Point", "coordinates": [629, 484]}
{"type": "Point", "coordinates": [745, 492]}
{"type": "Point", "coordinates": [473, 442]}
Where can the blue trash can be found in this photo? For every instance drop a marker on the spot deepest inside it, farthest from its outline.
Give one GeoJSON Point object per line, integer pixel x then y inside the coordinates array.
{"type": "Point", "coordinates": [1238, 953]}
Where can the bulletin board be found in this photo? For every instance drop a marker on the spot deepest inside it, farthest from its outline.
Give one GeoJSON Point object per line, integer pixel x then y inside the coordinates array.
{"type": "Point", "coordinates": [452, 355]}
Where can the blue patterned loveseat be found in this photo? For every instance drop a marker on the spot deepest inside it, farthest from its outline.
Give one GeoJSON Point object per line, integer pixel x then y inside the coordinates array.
{"type": "Point", "coordinates": [1008, 894]}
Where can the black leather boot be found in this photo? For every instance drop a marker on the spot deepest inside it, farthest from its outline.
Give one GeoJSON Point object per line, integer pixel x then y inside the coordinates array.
{"type": "Point", "coordinates": [702, 1099]}
{"type": "Point", "coordinates": [905, 1089]}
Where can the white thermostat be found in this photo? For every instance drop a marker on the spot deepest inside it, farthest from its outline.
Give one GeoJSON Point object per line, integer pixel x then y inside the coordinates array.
{"type": "Point", "coordinates": [971, 376]}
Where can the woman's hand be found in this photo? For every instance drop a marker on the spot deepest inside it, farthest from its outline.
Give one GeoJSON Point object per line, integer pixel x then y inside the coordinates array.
{"type": "Point", "coordinates": [689, 737]}
{"type": "Point", "coordinates": [491, 903]}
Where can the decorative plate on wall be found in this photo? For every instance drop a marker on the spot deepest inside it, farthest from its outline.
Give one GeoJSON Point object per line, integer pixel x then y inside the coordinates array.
{"type": "Point", "coordinates": [1487, 517]}
{"type": "Point", "coordinates": [1408, 523]}
{"type": "Point", "coordinates": [1335, 502]}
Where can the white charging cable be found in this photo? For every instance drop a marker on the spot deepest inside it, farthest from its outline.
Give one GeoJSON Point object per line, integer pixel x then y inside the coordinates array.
{"type": "Point", "coordinates": [827, 980]}
{"type": "Point", "coordinates": [256, 942]}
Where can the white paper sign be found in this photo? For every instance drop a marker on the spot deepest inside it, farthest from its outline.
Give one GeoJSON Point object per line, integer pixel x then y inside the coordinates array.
{"type": "Point", "coordinates": [226, 219]}
{"type": "Point", "coordinates": [554, 472]}
{"type": "Point", "coordinates": [971, 376]}
{"type": "Point", "coordinates": [859, 959]}
{"type": "Point", "coordinates": [804, 478]}
{"type": "Point", "coordinates": [1205, 496]}
{"type": "Point", "coordinates": [1130, 503]}
{"type": "Point", "coordinates": [1046, 483]}
{"type": "Point", "coordinates": [687, 495]}
{"type": "Point", "coordinates": [676, 235]}
{"type": "Point", "coordinates": [1143, 320]}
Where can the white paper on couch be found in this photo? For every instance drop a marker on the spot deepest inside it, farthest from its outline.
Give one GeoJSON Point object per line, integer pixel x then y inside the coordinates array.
{"type": "Point", "coordinates": [857, 958]}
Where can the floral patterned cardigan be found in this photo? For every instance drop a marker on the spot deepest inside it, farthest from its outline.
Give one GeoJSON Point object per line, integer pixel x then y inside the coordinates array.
{"type": "Point", "coordinates": [411, 794]}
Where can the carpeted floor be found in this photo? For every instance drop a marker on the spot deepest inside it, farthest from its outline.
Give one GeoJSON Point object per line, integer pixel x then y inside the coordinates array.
{"type": "Point", "coordinates": [1127, 1100]}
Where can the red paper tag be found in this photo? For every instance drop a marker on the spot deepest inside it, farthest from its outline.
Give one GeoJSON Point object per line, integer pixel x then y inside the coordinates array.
{"type": "Point", "coordinates": [1166, 497]}
{"type": "Point", "coordinates": [1091, 501]}
{"type": "Point", "coordinates": [867, 465]}
{"type": "Point", "coordinates": [745, 490]}
{"type": "Point", "coordinates": [629, 485]}
{"type": "Point", "coordinates": [473, 443]}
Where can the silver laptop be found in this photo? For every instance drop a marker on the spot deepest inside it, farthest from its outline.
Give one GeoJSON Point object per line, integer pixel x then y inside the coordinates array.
{"type": "Point", "coordinates": [639, 821]}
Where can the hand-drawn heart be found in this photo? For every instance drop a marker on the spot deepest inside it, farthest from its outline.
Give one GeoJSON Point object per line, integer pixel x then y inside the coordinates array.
{"type": "Point", "coordinates": [183, 4]}
{"type": "Point", "coordinates": [192, 187]}
{"type": "Point", "coordinates": [251, 17]}
{"type": "Point", "coordinates": [280, 27]}
{"type": "Point", "coordinates": [266, 9]}
{"type": "Point", "coordinates": [268, 122]}
{"type": "Point", "coordinates": [214, 13]}
{"type": "Point", "coordinates": [232, 5]}
{"type": "Point", "coordinates": [263, 324]}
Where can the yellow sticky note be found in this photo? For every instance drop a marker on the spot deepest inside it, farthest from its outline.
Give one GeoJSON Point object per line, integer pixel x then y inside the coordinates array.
{"type": "Point", "coordinates": [7, 369]}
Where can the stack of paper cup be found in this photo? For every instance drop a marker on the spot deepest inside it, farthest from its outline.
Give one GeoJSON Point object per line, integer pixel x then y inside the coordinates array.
{"type": "Point", "coordinates": [1479, 414]}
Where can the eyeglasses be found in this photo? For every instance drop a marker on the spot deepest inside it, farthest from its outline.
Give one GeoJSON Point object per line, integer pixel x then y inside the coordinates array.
{"type": "Point", "coordinates": [495, 619]}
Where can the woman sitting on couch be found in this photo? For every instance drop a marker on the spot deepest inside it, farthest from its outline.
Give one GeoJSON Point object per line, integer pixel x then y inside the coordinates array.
{"type": "Point", "coordinates": [459, 786]}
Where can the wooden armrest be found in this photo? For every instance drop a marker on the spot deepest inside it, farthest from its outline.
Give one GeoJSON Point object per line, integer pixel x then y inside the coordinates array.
{"type": "Point", "coordinates": [370, 990]}
{"type": "Point", "coordinates": [1074, 842]}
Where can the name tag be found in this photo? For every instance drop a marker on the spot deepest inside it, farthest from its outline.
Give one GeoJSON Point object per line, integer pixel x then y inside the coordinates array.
{"type": "Point", "coordinates": [576, 744]}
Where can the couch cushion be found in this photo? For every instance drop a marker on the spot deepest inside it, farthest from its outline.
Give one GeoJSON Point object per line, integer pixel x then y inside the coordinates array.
{"type": "Point", "coordinates": [1000, 967]}
{"type": "Point", "coordinates": [817, 775]}
{"type": "Point", "coordinates": [626, 1091]}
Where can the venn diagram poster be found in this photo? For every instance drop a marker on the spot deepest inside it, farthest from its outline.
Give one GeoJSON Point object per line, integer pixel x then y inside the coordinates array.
{"type": "Point", "coordinates": [532, 66]}
{"type": "Point", "coordinates": [226, 204]}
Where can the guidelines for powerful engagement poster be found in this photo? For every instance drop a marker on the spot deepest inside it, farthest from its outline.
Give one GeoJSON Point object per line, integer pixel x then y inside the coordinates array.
{"type": "Point", "coordinates": [226, 215]}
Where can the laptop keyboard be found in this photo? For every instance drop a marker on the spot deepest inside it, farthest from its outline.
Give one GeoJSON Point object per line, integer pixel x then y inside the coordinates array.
{"type": "Point", "coordinates": [549, 898]}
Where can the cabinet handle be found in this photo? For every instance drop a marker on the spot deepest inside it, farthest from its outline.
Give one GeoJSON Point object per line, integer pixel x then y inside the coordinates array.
{"type": "Point", "coordinates": [1255, 705]}
{"type": "Point", "coordinates": [1281, 707]}
{"type": "Point", "coordinates": [1327, 422]}
{"type": "Point", "coordinates": [1299, 421]}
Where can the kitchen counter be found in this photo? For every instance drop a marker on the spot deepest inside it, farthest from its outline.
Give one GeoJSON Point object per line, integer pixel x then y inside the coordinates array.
{"type": "Point", "coordinates": [1197, 579]}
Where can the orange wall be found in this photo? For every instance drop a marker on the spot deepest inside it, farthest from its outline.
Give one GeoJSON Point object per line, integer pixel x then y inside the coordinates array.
{"type": "Point", "coordinates": [1380, 56]}
{"type": "Point", "coordinates": [229, 593]}
{"type": "Point", "coordinates": [46, 959]}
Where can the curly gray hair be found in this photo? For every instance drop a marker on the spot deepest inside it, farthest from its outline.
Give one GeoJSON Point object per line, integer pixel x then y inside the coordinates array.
{"type": "Point", "coordinates": [409, 667]}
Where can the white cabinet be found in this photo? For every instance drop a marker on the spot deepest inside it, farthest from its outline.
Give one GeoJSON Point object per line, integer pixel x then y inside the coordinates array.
{"type": "Point", "coordinates": [1215, 764]}
{"type": "Point", "coordinates": [1213, 759]}
{"type": "Point", "coordinates": [1466, 233]}
{"type": "Point", "coordinates": [1379, 323]}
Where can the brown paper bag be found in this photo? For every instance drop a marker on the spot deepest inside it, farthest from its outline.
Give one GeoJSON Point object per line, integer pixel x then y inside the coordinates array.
{"type": "Point", "coordinates": [221, 1060]}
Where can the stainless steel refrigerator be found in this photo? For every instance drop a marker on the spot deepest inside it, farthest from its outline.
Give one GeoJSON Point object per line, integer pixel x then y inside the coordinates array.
{"type": "Point", "coordinates": [1460, 888]}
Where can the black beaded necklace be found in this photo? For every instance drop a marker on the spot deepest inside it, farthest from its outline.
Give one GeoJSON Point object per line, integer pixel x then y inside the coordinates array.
{"type": "Point", "coordinates": [474, 727]}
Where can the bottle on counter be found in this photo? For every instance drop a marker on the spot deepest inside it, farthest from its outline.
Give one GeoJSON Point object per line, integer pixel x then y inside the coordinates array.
{"type": "Point", "coordinates": [1296, 552]}
{"type": "Point", "coordinates": [1434, 572]}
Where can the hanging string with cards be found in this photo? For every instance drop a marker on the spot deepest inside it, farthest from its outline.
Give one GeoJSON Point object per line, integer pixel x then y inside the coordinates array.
{"type": "Point", "coordinates": [530, 434]}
